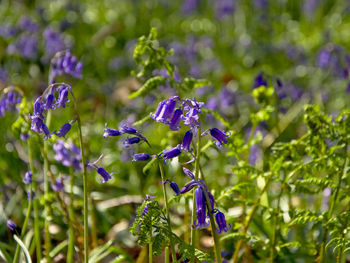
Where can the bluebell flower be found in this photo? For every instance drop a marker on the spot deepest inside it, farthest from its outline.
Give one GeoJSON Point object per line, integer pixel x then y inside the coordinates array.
{"type": "Point", "coordinates": [63, 130]}
{"type": "Point", "coordinates": [62, 97]}
{"type": "Point", "coordinates": [110, 132]}
{"type": "Point", "coordinates": [141, 157]}
{"type": "Point", "coordinates": [175, 188]}
{"type": "Point", "coordinates": [221, 222]}
{"type": "Point", "coordinates": [188, 187]}
{"type": "Point", "coordinates": [58, 186]}
{"type": "Point", "coordinates": [175, 120]}
{"type": "Point", "coordinates": [105, 175]}
{"type": "Point", "coordinates": [24, 136]}
{"type": "Point", "coordinates": [186, 142]}
{"type": "Point", "coordinates": [130, 141]}
{"type": "Point", "coordinates": [27, 24]}
{"type": "Point", "coordinates": [9, 102]}
{"type": "Point", "coordinates": [219, 136]}
{"type": "Point", "coordinates": [171, 153]}
{"type": "Point", "coordinates": [53, 42]}
{"type": "Point", "coordinates": [38, 108]}
{"type": "Point", "coordinates": [65, 63]}
{"type": "Point", "coordinates": [259, 81]}
{"type": "Point", "coordinates": [28, 178]}
{"type": "Point", "coordinates": [68, 156]}
{"type": "Point", "coordinates": [201, 208]}
{"type": "Point", "coordinates": [165, 110]}
{"type": "Point", "coordinates": [27, 46]}
{"type": "Point", "coordinates": [188, 173]}
{"type": "Point", "coordinates": [127, 129]}
{"type": "Point", "coordinates": [11, 225]}
{"type": "Point", "coordinates": [49, 104]}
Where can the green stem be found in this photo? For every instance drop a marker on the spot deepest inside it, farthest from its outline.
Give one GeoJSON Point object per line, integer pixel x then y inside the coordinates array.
{"type": "Point", "coordinates": [322, 257]}
{"type": "Point", "coordinates": [150, 257]}
{"type": "Point", "coordinates": [85, 183]}
{"type": "Point", "coordinates": [70, 253]}
{"type": "Point", "coordinates": [37, 233]}
{"type": "Point", "coordinates": [24, 227]}
{"type": "Point", "coordinates": [173, 254]}
{"type": "Point", "coordinates": [46, 194]}
{"type": "Point", "coordinates": [196, 175]}
{"type": "Point", "coordinates": [250, 217]}
{"type": "Point", "coordinates": [166, 255]}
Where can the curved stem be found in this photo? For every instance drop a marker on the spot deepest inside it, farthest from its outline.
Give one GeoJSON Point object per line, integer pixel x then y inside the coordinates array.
{"type": "Point", "coordinates": [85, 183]}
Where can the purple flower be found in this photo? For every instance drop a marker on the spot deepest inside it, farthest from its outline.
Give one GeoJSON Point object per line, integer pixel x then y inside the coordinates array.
{"type": "Point", "coordinates": [201, 208]}
{"type": "Point", "coordinates": [58, 186]}
{"type": "Point", "coordinates": [24, 136]}
{"type": "Point", "coordinates": [129, 130]}
{"type": "Point", "coordinates": [186, 142]}
{"type": "Point", "coordinates": [175, 188]}
{"type": "Point", "coordinates": [27, 24]}
{"type": "Point", "coordinates": [27, 45]}
{"type": "Point", "coordinates": [62, 97]}
{"type": "Point", "coordinates": [11, 225]}
{"type": "Point", "coordinates": [68, 156]}
{"type": "Point", "coordinates": [188, 173]}
{"type": "Point", "coordinates": [105, 175]}
{"type": "Point", "coordinates": [141, 157]}
{"type": "Point", "coordinates": [219, 136]}
{"type": "Point", "coordinates": [38, 108]}
{"type": "Point", "coordinates": [259, 81]}
{"type": "Point", "coordinates": [110, 132]}
{"type": "Point", "coordinates": [53, 42]}
{"type": "Point", "coordinates": [28, 178]}
{"type": "Point", "coordinates": [9, 102]}
{"type": "Point", "coordinates": [63, 130]}
{"type": "Point", "coordinates": [188, 187]}
{"type": "Point", "coordinates": [130, 141]}
{"type": "Point", "coordinates": [50, 102]}
{"type": "Point", "coordinates": [171, 153]}
{"type": "Point", "coordinates": [165, 110]}
{"type": "Point", "coordinates": [221, 222]}
{"type": "Point", "coordinates": [65, 63]}
{"type": "Point", "coordinates": [175, 120]}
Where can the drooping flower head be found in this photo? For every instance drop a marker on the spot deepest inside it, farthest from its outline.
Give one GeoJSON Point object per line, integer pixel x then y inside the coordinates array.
{"type": "Point", "coordinates": [171, 153]}
{"type": "Point", "coordinates": [140, 157]}
{"type": "Point", "coordinates": [65, 63]}
{"type": "Point", "coordinates": [11, 225]}
{"type": "Point", "coordinates": [201, 208]}
{"type": "Point", "coordinates": [219, 136]}
{"type": "Point", "coordinates": [68, 154]}
{"type": "Point", "coordinates": [110, 132]}
{"type": "Point", "coordinates": [221, 222]}
{"type": "Point", "coordinates": [105, 175]}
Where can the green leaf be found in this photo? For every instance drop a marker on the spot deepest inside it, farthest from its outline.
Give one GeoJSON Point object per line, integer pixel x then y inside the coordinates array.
{"type": "Point", "coordinates": [149, 85]}
{"type": "Point", "coordinates": [25, 250]}
{"type": "Point", "coordinates": [192, 83]}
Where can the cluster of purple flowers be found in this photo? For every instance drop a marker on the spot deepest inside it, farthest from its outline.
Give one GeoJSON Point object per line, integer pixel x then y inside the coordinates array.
{"type": "Point", "coordinates": [50, 102]}
{"type": "Point", "coordinates": [65, 63]}
{"type": "Point", "coordinates": [9, 101]}
{"type": "Point", "coordinates": [137, 138]}
{"type": "Point", "coordinates": [202, 209]}
{"type": "Point", "coordinates": [187, 112]}
{"type": "Point", "coordinates": [54, 42]}
{"type": "Point", "coordinates": [68, 154]}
